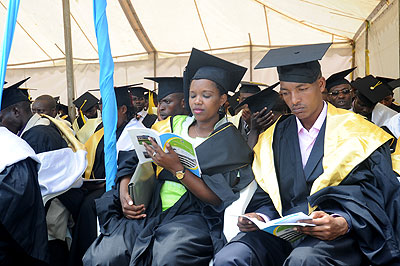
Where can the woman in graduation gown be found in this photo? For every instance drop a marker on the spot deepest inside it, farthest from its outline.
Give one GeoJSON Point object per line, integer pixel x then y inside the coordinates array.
{"type": "Point", "coordinates": [183, 223]}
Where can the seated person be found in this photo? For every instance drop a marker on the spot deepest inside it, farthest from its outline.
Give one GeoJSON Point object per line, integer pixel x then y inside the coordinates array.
{"type": "Point", "coordinates": [23, 232]}
{"type": "Point", "coordinates": [139, 101]}
{"type": "Point", "coordinates": [389, 100]}
{"type": "Point", "coordinates": [326, 162]}
{"type": "Point", "coordinates": [45, 104]}
{"type": "Point", "coordinates": [339, 89]}
{"type": "Point", "coordinates": [85, 230]}
{"type": "Point", "coordinates": [170, 95]}
{"type": "Point", "coordinates": [183, 223]}
{"type": "Point", "coordinates": [366, 102]}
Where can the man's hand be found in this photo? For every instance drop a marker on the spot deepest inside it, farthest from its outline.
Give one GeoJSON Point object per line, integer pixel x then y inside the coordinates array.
{"type": "Point", "coordinates": [327, 227]}
{"type": "Point", "coordinates": [262, 120]}
{"type": "Point", "coordinates": [245, 225]}
{"type": "Point", "coordinates": [246, 115]}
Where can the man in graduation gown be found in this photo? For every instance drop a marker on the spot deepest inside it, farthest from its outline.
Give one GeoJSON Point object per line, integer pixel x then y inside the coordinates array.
{"type": "Point", "coordinates": [85, 231]}
{"type": "Point", "coordinates": [170, 96]}
{"type": "Point", "coordinates": [139, 101]}
{"type": "Point", "coordinates": [23, 232]}
{"type": "Point", "coordinates": [43, 136]}
{"type": "Point", "coordinates": [325, 161]}
{"type": "Point", "coordinates": [45, 104]}
{"type": "Point", "coordinates": [88, 116]}
{"type": "Point", "coordinates": [339, 89]}
{"type": "Point", "coordinates": [370, 91]}
{"type": "Point", "coordinates": [389, 100]}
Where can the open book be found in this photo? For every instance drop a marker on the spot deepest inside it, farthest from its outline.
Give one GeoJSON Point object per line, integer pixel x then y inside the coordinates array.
{"type": "Point", "coordinates": [185, 150]}
{"type": "Point", "coordinates": [283, 227]}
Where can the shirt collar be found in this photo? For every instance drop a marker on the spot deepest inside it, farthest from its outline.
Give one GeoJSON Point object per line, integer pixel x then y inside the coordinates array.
{"type": "Point", "coordinates": [318, 123]}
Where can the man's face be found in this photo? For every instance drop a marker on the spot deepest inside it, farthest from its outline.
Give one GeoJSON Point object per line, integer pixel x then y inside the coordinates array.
{"type": "Point", "coordinates": [304, 99]}
{"type": "Point", "coordinates": [360, 108]}
{"type": "Point", "coordinates": [138, 102]}
{"type": "Point", "coordinates": [340, 96]}
{"type": "Point", "coordinates": [43, 107]}
{"type": "Point", "coordinates": [91, 113]}
{"type": "Point", "coordinates": [9, 118]}
{"type": "Point", "coordinates": [388, 100]}
{"type": "Point", "coordinates": [171, 105]}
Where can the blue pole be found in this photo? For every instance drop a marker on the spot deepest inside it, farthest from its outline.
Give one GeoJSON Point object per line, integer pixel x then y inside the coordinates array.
{"type": "Point", "coordinates": [8, 36]}
{"type": "Point", "coordinates": [109, 114]}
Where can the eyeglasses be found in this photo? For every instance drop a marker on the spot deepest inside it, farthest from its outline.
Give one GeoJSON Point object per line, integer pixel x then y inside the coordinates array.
{"type": "Point", "coordinates": [336, 93]}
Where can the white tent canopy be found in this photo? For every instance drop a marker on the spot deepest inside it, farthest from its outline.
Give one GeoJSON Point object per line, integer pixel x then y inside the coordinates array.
{"type": "Point", "coordinates": [151, 37]}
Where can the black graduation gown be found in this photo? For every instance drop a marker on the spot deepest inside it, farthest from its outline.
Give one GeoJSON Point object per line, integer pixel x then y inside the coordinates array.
{"type": "Point", "coordinates": [23, 231]}
{"type": "Point", "coordinates": [149, 120]}
{"type": "Point", "coordinates": [85, 229]}
{"type": "Point", "coordinates": [368, 198]}
{"type": "Point", "coordinates": [189, 232]}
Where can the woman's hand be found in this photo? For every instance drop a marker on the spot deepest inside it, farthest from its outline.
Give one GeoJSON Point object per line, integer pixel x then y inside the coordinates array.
{"type": "Point", "coordinates": [169, 161]}
{"type": "Point", "coordinates": [130, 210]}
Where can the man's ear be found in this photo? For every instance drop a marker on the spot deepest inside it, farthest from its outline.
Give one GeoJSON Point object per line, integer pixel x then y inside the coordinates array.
{"type": "Point", "coordinates": [322, 83]}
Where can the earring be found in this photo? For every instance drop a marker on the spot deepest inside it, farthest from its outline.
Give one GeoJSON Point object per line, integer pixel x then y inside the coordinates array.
{"type": "Point", "coordinates": [221, 110]}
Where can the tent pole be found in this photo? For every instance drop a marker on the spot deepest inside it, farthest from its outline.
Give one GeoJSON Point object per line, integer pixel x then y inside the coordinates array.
{"type": "Point", "coordinates": [68, 58]}
{"type": "Point", "coordinates": [155, 68]}
{"type": "Point", "coordinates": [251, 58]}
{"type": "Point", "coordinates": [353, 58]}
{"type": "Point", "coordinates": [366, 48]}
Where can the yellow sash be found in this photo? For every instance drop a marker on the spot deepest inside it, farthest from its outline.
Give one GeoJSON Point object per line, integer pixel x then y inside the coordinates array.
{"type": "Point", "coordinates": [91, 146]}
{"type": "Point", "coordinates": [349, 140]}
{"type": "Point", "coordinates": [163, 126]}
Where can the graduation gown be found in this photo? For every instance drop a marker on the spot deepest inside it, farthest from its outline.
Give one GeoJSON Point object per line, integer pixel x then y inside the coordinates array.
{"type": "Point", "coordinates": [349, 172]}
{"type": "Point", "coordinates": [23, 232]}
{"type": "Point", "coordinates": [189, 232]}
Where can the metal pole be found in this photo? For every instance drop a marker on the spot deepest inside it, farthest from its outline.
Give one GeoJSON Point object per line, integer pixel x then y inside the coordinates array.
{"type": "Point", "coordinates": [68, 58]}
{"type": "Point", "coordinates": [366, 48]}
{"type": "Point", "coordinates": [353, 58]}
{"type": "Point", "coordinates": [251, 58]}
{"type": "Point", "coordinates": [155, 68]}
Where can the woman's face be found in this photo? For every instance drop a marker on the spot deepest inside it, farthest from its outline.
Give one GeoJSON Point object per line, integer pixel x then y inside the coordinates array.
{"type": "Point", "coordinates": [205, 100]}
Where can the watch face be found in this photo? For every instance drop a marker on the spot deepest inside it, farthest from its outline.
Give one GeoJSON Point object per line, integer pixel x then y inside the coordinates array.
{"type": "Point", "coordinates": [179, 175]}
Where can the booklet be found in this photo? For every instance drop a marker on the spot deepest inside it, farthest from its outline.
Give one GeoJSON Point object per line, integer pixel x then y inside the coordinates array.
{"type": "Point", "coordinates": [185, 150]}
{"type": "Point", "coordinates": [283, 227]}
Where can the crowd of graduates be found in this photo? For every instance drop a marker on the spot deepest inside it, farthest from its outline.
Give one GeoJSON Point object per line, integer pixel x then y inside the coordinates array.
{"type": "Point", "coordinates": [324, 147]}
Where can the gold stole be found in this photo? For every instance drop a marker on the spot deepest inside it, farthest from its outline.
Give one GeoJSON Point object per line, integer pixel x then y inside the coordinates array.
{"type": "Point", "coordinates": [91, 147]}
{"type": "Point", "coordinates": [349, 140]}
{"type": "Point", "coordinates": [163, 126]}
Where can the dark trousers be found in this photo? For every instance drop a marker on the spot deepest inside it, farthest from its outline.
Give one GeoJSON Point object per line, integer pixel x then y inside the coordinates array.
{"type": "Point", "coordinates": [260, 248]}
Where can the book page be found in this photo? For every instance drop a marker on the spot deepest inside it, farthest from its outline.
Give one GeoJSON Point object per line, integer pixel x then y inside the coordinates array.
{"type": "Point", "coordinates": [185, 150]}
{"type": "Point", "coordinates": [140, 136]}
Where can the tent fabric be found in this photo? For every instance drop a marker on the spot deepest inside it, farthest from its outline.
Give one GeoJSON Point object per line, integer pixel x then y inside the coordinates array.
{"type": "Point", "coordinates": [173, 27]}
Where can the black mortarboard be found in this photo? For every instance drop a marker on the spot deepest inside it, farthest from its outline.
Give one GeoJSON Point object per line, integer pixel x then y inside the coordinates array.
{"type": "Point", "coordinates": [86, 101]}
{"type": "Point", "coordinates": [265, 98]}
{"type": "Point", "coordinates": [392, 83]}
{"type": "Point", "coordinates": [234, 99]}
{"type": "Point", "coordinates": [297, 63]}
{"type": "Point", "coordinates": [138, 91]}
{"type": "Point", "coordinates": [338, 78]}
{"type": "Point", "coordinates": [13, 94]}
{"type": "Point", "coordinates": [250, 87]}
{"type": "Point", "coordinates": [122, 96]}
{"type": "Point", "coordinates": [372, 89]}
{"type": "Point", "coordinates": [57, 99]}
{"type": "Point", "coordinates": [168, 85]}
{"type": "Point", "coordinates": [205, 66]}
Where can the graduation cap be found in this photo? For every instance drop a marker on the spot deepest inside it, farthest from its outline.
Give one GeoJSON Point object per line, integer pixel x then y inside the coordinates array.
{"type": "Point", "coordinates": [392, 83]}
{"type": "Point", "coordinates": [205, 66]}
{"type": "Point", "coordinates": [265, 98]}
{"type": "Point", "coordinates": [13, 94]}
{"type": "Point", "coordinates": [338, 78]}
{"type": "Point", "coordinates": [122, 96]}
{"type": "Point", "coordinates": [168, 85]}
{"type": "Point", "coordinates": [297, 63]}
{"type": "Point", "coordinates": [250, 87]}
{"type": "Point", "coordinates": [372, 89]}
{"type": "Point", "coordinates": [86, 101]}
{"type": "Point", "coordinates": [138, 91]}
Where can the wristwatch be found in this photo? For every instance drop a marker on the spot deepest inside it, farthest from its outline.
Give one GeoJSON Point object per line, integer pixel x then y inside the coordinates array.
{"type": "Point", "coordinates": [180, 174]}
